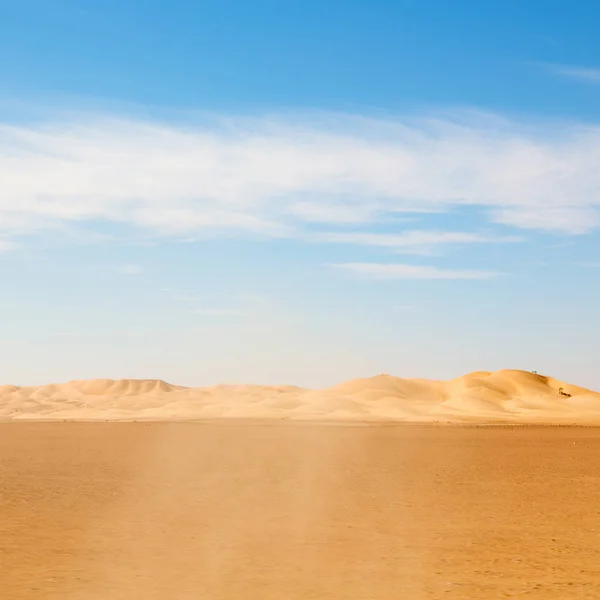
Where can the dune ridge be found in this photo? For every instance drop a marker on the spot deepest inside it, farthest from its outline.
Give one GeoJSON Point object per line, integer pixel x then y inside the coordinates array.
{"type": "Point", "coordinates": [509, 396]}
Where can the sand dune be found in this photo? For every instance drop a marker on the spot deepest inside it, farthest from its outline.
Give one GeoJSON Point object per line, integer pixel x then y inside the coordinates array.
{"type": "Point", "coordinates": [503, 396]}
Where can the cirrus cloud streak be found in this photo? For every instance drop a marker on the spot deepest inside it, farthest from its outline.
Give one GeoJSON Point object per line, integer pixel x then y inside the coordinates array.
{"type": "Point", "coordinates": [403, 271]}
{"type": "Point", "coordinates": [276, 176]}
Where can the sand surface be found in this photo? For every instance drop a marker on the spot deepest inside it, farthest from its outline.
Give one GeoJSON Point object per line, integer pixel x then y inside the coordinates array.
{"type": "Point", "coordinates": [503, 396]}
{"type": "Point", "coordinates": [281, 510]}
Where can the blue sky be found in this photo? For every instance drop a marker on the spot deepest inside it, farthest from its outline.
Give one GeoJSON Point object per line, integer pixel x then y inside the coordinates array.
{"type": "Point", "coordinates": [298, 192]}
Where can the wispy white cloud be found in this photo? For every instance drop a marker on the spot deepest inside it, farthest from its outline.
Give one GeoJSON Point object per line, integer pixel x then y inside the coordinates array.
{"type": "Point", "coordinates": [130, 270]}
{"type": "Point", "coordinates": [272, 176]}
{"type": "Point", "coordinates": [360, 210]}
{"type": "Point", "coordinates": [578, 73]}
{"type": "Point", "coordinates": [403, 271]}
{"type": "Point", "coordinates": [574, 220]}
{"type": "Point", "coordinates": [413, 242]}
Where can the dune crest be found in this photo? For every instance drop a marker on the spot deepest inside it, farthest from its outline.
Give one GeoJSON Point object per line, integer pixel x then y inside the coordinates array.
{"type": "Point", "coordinates": [504, 396]}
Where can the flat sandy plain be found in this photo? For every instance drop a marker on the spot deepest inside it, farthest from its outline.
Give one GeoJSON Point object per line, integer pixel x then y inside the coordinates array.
{"type": "Point", "coordinates": [284, 510]}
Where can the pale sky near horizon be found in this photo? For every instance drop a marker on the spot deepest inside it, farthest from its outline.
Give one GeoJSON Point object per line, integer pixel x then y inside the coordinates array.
{"type": "Point", "coordinates": [298, 192]}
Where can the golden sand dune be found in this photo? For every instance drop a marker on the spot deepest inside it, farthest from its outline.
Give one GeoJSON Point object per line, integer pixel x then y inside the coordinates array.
{"type": "Point", "coordinates": [503, 396]}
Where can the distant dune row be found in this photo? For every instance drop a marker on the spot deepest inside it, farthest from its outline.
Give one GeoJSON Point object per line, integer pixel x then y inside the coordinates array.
{"type": "Point", "coordinates": [503, 396]}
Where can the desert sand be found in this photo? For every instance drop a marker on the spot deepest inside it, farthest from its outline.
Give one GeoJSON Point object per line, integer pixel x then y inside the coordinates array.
{"type": "Point", "coordinates": [504, 396]}
{"type": "Point", "coordinates": [243, 510]}
{"type": "Point", "coordinates": [271, 493]}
